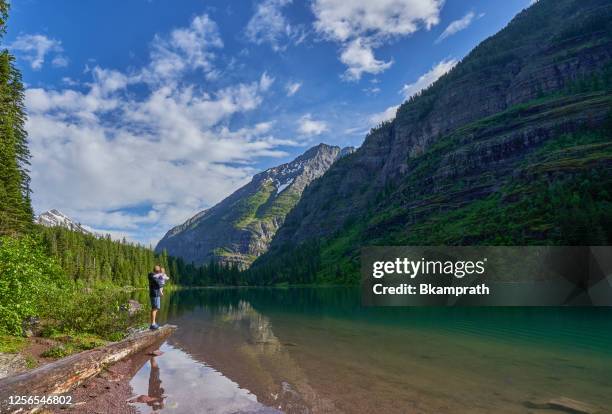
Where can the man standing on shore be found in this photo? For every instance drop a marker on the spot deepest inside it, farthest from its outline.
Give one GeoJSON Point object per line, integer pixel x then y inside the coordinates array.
{"type": "Point", "coordinates": [155, 295]}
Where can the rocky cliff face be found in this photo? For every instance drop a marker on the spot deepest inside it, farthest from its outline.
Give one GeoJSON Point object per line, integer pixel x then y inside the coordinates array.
{"type": "Point", "coordinates": [240, 228]}
{"type": "Point", "coordinates": [500, 118]}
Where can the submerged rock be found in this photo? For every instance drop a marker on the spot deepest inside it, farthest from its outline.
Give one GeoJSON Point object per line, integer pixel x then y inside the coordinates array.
{"type": "Point", "coordinates": [564, 404]}
{"type": "Point", "coordinates": [573, 406]}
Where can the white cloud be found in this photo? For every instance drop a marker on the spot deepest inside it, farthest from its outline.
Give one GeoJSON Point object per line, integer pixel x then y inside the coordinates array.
{"type": "Point", "coordinates": [428, 78]}
{"type": "Point", "coordinates": [372, 91]}
{"type": "Point", "coordinates": [269, 25]}
{"type": "Point", "coordinates": [60, 61]}
{"type": "Point", "coordinates": [138, 163]}
{"type": "Point", "coordinates": [458, 25]}
{"type": "Point", "coordinates": [107, 81]}
{"type": "Point", "coordinates": [35, 47]}
{"type": "Point", "coordinates": [292, 88]}
{"type": "Point", "coordinates": [265, 81]}
{"type": "Point", "coordinates": [385, 115]}
{"type": "Point", "coordinates": [360, 26]}
{"type": "Point", "coordinates": [308, 126]}
{"type": "Point", "coordinates": [186, 48]}
{"type": "Point", "coordinates": [69, 81]}
{"type": "Point", "coordinates": [411, 89]}
{"type": "Point", "coordinates": [359, 58]}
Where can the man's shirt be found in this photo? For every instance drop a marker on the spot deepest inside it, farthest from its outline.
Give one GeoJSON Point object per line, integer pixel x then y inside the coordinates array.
{"type": "Point", "coordinates": [153, 286]}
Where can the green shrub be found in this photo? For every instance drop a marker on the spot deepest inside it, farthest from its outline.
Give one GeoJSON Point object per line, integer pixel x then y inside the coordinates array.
{"type": "Point", "coordinates": [58, 351]}
{"type": "Point", "coordinates": [116, 336]}
{"type": "Point", "coordinates": [33, 284]}
{"type": "Point", "coordinates": [11, 344]}
{"type": "Point", "coordinates": [26, 274]}
{"type": "Point", "coordinates": [73, 309]}
{"type": "Point", "coordinates": [30, 362]}
{"type": "Point", "coordinates": [81, 342]}
{"type": "Point", "coordinates": [86, 342]}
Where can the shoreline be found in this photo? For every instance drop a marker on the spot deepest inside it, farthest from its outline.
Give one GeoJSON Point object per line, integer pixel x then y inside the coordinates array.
{"type": "Point", "coordinates": [70, 376]}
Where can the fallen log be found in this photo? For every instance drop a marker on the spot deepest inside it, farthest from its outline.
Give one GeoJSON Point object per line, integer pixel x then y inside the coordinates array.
{"type": "Point", "coordinates": [61, 376]}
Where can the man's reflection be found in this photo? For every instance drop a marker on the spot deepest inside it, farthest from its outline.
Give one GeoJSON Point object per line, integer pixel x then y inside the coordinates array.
{"type": "Point", "coordinates": [155, 397]}
{"type": "Point", "coordinates": [156, 392]}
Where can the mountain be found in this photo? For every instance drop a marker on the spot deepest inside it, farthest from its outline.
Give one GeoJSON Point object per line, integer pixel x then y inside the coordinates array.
{"type": "Point", "coordinates": [55, 218]}
{"type": "Point", "coordinates": [512, 146]}
{"type": "Point", "coordinates": [240, 228]}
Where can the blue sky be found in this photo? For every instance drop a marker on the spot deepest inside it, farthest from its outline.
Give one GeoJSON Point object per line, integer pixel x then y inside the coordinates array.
{"type": "Point", "coordinates": [143, 113]}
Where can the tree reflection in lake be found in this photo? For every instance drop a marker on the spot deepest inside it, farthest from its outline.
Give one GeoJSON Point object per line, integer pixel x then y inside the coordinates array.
{"type": "Point", "coordinates": [238, 340]}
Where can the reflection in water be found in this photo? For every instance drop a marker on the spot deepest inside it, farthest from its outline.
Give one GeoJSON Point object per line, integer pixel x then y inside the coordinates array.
{"type": "Point", "coordinates": [156, 392]}
{"type": "Point", "coordinates": [319, 351]}
{"type": "Point", "coordinates": [257, 327]}
{"type": "Point", "coordinates": [155, 396]}
{"type": "Point", "coordinates": [239, 341]}
{"type": "Point", "coordinates": [190, 387]}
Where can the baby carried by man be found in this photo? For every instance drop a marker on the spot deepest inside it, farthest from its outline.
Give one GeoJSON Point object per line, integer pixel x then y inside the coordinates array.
{"type": "Point", "coordinates": [161, 277]}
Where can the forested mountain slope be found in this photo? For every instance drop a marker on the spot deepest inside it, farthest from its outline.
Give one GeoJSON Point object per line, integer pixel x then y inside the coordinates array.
{"type": "Point", "coordinates": [512, 146]}
{"type": "Point", "coordinates": [240, 227]}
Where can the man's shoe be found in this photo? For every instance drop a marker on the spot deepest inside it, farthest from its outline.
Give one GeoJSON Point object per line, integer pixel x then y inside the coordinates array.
{"type": "Point", "coordinates": [154, 327]}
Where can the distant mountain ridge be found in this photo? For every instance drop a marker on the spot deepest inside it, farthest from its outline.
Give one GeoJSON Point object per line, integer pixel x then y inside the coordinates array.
{"type": "Point", "coordinates": [55, 218]}
{"type": "Point", "coordinates": [512, 146]}
{"type": "Point", "coordinates": [239, 228]}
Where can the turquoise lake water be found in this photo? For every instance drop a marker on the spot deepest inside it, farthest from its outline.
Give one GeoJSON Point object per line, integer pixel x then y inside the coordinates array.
{"type": "Point", "coordinates": [317, 350]}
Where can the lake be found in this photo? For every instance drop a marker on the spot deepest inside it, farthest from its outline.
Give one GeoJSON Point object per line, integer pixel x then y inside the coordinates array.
{"type": "Point", "coordinates": [317, 350]}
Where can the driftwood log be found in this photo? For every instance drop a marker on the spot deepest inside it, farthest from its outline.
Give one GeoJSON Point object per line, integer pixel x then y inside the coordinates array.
{"type": "Point", "coordinates": [61, 376]}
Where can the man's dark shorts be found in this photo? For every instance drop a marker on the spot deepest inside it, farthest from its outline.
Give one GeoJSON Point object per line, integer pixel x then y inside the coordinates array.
{"type": "Point", "coordinates": [155, 302]}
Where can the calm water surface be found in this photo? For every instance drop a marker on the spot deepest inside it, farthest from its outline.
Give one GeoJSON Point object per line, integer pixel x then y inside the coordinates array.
{"type": "Point", "coordinates": [316, 350]}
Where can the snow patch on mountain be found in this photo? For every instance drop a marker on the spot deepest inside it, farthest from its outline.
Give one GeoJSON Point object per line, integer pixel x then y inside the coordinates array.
{"type": "Point", "coordinates": [280, 187]}
{"type": "Point", "coordinates": [55, 218]}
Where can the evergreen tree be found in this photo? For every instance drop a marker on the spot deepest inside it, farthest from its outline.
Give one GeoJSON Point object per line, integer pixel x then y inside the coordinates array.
{"type": "Point", "coordinates": [98, 259]}
{"type": "Point", "coordinates": [15, 207]}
